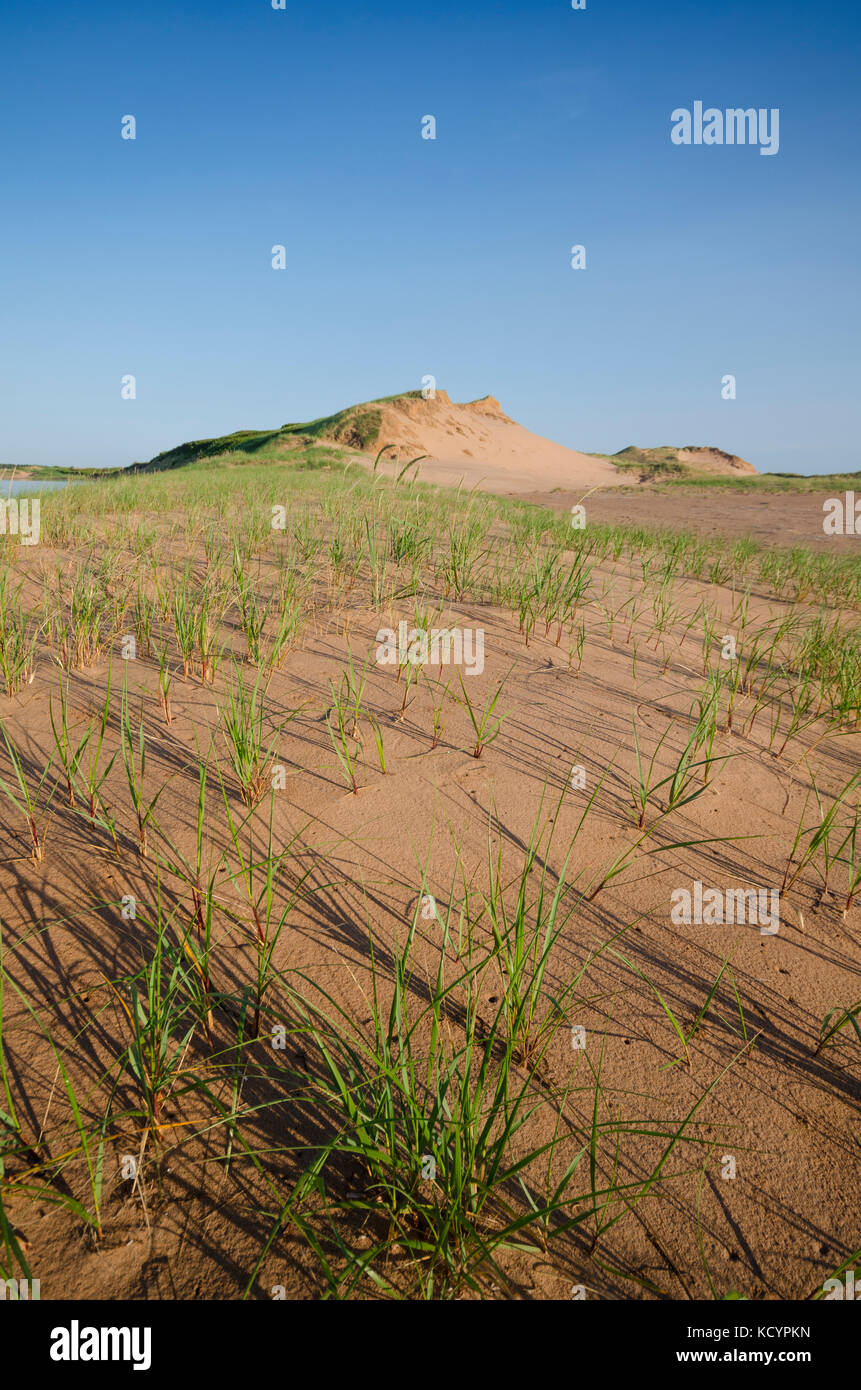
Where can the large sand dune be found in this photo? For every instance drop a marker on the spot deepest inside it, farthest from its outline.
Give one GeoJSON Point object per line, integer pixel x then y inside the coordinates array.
{"type": "Point", "coordinates": [479, 443]}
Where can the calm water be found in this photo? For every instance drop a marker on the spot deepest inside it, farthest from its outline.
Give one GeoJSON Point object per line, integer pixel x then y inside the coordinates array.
{"type": "Point", "coordinates": [25, 487]}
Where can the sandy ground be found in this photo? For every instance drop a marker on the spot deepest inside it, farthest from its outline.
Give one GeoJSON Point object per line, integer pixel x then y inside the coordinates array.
{"type": "Point", "coordinates": [779, 519]}
{"type": "Point", "coordinates": [787, 1115]}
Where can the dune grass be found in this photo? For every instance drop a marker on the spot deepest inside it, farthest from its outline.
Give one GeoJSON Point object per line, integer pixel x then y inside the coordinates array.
{"type": "Point", "coordinates": [411, 1168]}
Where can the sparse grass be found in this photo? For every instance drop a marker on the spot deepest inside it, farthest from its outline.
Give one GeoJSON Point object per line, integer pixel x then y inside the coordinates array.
{"type": "Point", "coordinates": [18, 639]}
{"type": "Point", "coordinates": [249, 737]}
{"type": "Point", "coordinates": [420, 1142]}
{"type": "Point", "coordinates": [485, 724]}
{"type": "Point", "coordinates": [25, 794]}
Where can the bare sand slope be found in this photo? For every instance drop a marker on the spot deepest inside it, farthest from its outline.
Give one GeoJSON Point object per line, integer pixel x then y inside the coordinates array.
{"type": "Point", "coordinates": [479, 444]}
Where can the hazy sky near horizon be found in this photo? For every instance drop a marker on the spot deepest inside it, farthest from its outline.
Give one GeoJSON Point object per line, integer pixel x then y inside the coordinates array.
{"type": "Point", "coordinates": [406, 256]}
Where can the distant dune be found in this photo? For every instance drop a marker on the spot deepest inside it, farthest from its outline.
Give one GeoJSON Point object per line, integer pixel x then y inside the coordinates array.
{"type": "Point", "coordinates": [692, 458]}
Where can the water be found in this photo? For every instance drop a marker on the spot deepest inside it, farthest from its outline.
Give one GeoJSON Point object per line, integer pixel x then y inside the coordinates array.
{"type": "Point", "coordinates": [26, 487]}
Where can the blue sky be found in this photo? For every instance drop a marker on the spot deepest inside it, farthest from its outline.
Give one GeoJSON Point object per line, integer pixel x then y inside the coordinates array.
{"type": "Point", "coordinates": [408, 256]}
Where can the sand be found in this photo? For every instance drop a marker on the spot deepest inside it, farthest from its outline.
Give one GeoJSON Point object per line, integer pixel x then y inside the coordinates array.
{"type": "Point", "coordinates": [479, 445]}
{"type": "Point", "coordinates": [787, 1115]}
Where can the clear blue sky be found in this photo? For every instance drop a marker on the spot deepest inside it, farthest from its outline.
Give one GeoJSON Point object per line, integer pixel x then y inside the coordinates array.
{"type": "Point", "coordinates": [407, 256]}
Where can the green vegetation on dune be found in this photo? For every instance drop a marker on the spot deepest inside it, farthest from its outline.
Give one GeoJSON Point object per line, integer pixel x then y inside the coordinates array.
{"type": "Point", "coordinates": [633, 455]}
{"type": "Point", "coordinates": [650, 464]}
{"type": "Point", "coordinates": [664, 468]}
{"type": "Point", "coordinates": [356, 427]}
{"type": "Point", "coordinates": [332, 426]}
{"type": "Point", "coordinates": [241, 441]}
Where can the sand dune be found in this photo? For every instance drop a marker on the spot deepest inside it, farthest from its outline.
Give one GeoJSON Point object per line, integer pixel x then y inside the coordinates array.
{"type": "Point", "coordinates": [474, 443]}
{"type": "Point", "coordinates": [479, 443]}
